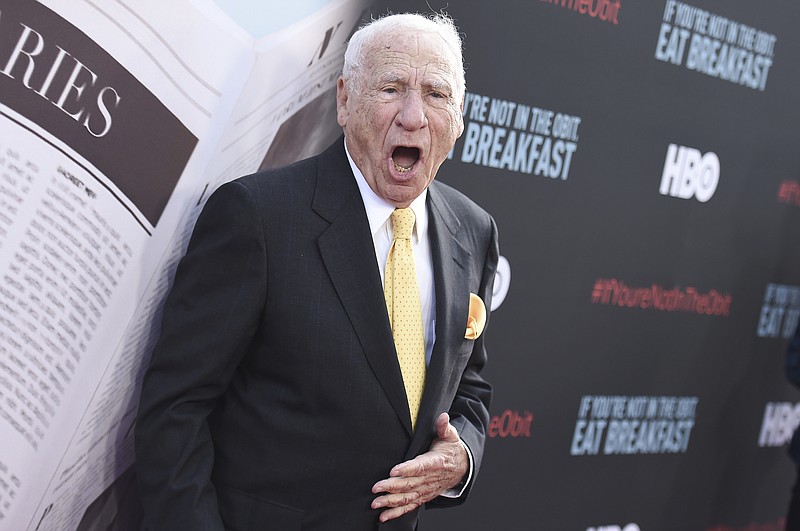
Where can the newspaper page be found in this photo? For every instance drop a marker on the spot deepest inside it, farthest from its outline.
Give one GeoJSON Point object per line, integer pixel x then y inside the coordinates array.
{"type": "Point", "coordinates": [117, 120]}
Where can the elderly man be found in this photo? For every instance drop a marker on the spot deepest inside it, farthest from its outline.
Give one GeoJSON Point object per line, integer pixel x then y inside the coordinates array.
{"type": "Point", "coordinates": [321, 349]}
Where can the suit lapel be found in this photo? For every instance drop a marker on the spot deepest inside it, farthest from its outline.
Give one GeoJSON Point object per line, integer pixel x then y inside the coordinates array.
{"type": "Point", "coordinates": [349, 256]}
{"type": "Point", "coordinates": [450, 259]}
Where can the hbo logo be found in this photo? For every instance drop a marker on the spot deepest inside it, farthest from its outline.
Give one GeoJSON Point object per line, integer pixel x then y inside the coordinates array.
{"type": "Point", "coordinates": [688, 173]}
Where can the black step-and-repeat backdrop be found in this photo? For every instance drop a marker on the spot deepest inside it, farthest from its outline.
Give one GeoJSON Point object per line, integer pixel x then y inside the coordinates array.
{"type": "Point", "coordinates": [642, 160]}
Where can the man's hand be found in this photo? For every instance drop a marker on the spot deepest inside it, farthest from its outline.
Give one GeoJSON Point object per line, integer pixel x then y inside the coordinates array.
{"type": "Point", "coordinates": [425, 477]}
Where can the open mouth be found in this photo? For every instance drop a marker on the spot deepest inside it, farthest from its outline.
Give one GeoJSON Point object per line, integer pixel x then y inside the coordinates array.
{"type": "Point", "coordinates": [404, 158]}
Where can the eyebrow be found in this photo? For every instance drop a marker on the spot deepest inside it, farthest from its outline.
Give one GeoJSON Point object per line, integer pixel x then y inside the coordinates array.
{"type": "Point", "coordinates": [437, 84]}
{"type": "Point", "coordinates": [391, 77]}
{"type": "Point", "coordinates": [440, 85]}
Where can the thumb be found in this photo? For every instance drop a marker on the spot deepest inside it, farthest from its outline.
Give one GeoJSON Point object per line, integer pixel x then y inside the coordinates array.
{"type": "Point", "coordinates": [443, 428]}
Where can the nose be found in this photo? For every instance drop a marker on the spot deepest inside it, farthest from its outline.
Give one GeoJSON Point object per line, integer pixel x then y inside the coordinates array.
{"type": "Point", "coordinates": [411, 115]}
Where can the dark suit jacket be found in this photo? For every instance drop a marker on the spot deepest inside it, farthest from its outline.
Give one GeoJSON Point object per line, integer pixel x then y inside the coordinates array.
{"type": "Point", "coordinates": [274, 398]}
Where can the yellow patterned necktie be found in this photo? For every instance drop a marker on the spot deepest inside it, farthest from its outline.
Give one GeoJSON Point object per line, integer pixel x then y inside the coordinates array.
{"type": "Point", "coordinates": [405, 310]}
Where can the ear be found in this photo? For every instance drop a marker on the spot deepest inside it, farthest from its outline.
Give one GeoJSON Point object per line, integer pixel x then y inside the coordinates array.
{"type": "Point", "coordinates": [342, 95]}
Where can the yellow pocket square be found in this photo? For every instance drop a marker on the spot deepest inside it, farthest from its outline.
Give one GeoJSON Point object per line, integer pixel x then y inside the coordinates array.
{"type": "Point", "coordinates": [477, 317]}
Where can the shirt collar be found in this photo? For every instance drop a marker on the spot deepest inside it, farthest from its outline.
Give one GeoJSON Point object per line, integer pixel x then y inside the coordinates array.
{"type": "Point", "coordinates": [379, 210]}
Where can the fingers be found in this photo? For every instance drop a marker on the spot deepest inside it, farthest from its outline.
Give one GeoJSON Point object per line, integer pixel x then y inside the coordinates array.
{"type": "Point", "coordinates": [428, 463]}
{"type": "Point", "coordinates": [396, 512]}
{"type": "Point", "coordinates": [397, 485]}
{"type": "Point", "coordinates": [403, 495]}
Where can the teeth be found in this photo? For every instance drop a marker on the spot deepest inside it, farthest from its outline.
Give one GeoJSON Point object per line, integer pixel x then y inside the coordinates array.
{"type": "Point", "coordinates": [401, 169]}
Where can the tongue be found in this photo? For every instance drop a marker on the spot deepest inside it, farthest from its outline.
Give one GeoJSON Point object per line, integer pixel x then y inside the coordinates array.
{"type": "Point", "coordinates": [405, 157]}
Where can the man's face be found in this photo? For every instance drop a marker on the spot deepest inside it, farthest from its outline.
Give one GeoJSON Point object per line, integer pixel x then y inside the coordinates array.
{"type": "Point", "coordinates": [402, 121]}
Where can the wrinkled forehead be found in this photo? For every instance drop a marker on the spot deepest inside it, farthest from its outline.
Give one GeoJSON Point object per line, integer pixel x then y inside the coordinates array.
{"type": "Point", "coordinates": [417, 53]}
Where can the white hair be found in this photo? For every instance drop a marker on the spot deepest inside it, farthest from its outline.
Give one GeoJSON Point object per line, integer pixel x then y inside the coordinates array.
{"type": "Point", "coordinates": [438, 23]}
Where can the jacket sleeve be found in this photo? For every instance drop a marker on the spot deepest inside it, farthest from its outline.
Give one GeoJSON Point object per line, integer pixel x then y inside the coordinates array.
{"type": "Point", "coordinates": [209, 320]}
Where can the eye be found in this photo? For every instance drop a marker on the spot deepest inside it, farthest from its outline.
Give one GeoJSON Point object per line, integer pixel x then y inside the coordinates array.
{"type": "Point", "coordinates": [439, 98]}
{"type": "Point", "coordinates": [439, 92]}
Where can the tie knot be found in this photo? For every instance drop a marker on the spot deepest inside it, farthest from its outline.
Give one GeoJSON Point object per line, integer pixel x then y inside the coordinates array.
{"type": "Point", "coordinates": [402, 223]}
